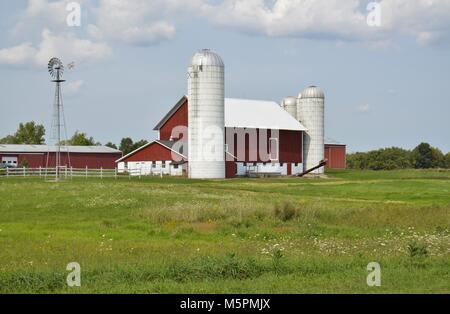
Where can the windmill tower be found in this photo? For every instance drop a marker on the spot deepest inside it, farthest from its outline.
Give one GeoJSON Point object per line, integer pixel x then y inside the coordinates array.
{"type": "Point", "coordinates": [56, 70]}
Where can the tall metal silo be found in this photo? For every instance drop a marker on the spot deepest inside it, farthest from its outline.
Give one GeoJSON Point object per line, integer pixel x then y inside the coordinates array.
{"type": "Point", "coordinates": [206, 114]}
{"type": "Point", "coordinates": [311, 113]}
{"type": "Point", "coordinates": [290, 105]}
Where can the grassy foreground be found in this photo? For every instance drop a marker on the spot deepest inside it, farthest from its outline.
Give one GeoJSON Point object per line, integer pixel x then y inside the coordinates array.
{"type": "Point", "coordinates": [236, 236]}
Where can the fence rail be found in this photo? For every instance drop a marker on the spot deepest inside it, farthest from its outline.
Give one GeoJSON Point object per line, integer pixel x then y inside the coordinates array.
{"type": "Point", "coordinates": [68, 172]}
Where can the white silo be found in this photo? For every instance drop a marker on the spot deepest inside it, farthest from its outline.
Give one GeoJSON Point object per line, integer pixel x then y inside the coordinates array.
{"type": "Point", "coordinates": [290, 105]}
{"type": "Point", "coordinates": [206, 114]}
{"type": "Point", "coordinates": [311, 113]}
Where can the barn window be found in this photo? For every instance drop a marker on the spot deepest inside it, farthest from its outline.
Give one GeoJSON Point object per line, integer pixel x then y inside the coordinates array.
{"type": "Point", "coordinates": [164, 164]}
{"type": "Point", "coordinates": [153, 164]}
{"type": "Point", "coordinates": [175, 166]}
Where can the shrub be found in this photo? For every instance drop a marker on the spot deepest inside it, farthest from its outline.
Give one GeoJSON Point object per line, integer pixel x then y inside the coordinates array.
{"type": "Point", "coordinates": [286, 211]}
{"type": "Point", "coordinates": [417, 250]}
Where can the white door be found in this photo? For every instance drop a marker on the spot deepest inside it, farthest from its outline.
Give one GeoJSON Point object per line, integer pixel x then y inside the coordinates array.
{"type": "Point", "coordinates": [10, 161]}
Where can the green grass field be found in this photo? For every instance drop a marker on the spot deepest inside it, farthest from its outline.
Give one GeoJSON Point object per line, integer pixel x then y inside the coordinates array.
{"type": "Point", "coordinates": [236, 236]}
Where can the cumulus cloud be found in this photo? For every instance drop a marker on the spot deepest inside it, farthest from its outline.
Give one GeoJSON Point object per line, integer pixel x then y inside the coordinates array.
{"type": "Point", "coordinates": [143, 23]}
{"type": "Point", "coordinates": [363, 108]}
{"type": "Point", "coordinates": [73, 87]}
{"type": "Point", "coordinates": [302, 18]}
{"type": "Point", "coordinates": [136, 22]}
{"type": "Point", "coordinates": [425, 20]}
{"type": "Point", "coordinates": [40, 14]}
{"type": "Point", "coordinates": [65, 45]}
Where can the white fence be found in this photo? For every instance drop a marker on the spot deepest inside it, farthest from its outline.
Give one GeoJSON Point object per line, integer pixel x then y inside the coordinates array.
{"type": "Point", "coordinates": [66, 172]}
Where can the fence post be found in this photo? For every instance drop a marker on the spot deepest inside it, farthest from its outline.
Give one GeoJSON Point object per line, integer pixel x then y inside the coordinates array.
{"type": "Point", "coordinates": [86, 172]}
{"type": "Point", "coordinates": [24, 172]}
{"type": "Point", "coordinates": [7, 172]}
{"type": "Point", "coordinates": [101, 172]}
{"type": "Point", "coordinates": [115, 172]}
{"type": "Point", "coordinates": [71, 172]}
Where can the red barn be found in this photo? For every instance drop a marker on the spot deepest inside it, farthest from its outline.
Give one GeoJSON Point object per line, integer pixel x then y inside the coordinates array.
{"type": "Point", "coordinates": [261, 137]}
{"type": "Point", "coordinates": [35, 156]}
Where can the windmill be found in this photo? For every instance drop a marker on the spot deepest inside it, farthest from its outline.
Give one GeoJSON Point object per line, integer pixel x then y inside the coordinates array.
{"type": "Point", "coordinates": [56, 71]}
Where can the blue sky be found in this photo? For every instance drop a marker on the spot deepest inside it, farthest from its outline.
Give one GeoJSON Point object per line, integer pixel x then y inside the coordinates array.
{"type": "Point", "coordinates": [384, 86]}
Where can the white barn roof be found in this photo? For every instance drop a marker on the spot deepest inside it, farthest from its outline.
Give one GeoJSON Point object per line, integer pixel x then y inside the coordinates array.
{"type": "Point", "coordinates": [259, 114]}
{"type": "Point", "coordinates": [244, 113]}
{"type": "Point", "coordinates": [6, 148]}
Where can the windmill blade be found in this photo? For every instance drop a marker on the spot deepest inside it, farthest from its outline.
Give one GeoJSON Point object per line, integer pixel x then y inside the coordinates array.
{"type": "Point", "coordinates": [54, 66]}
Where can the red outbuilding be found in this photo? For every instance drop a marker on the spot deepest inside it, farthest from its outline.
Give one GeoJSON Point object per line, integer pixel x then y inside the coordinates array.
{"type": "Point", "coordinates": [44, 156]}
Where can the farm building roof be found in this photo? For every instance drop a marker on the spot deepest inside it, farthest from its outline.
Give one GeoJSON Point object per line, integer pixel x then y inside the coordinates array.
{"type": "Point", "coordinates": [167, 144]}
{"type": "Point", "coordinates": [244, 113]}
{"type": "Point", "coordinates": [331, 141]}
{"type": "Point", "coordinates": [17, 148]}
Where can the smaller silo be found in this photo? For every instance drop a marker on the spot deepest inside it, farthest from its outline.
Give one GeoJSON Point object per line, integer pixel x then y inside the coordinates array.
{"type": "Point", "coordinates": [311, 113]}
{"type": "Point", "coordinates": [290, 105]}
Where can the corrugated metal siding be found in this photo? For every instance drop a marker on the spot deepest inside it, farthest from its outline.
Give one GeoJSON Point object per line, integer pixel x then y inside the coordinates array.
{"type": "Point", "coordinates": [336, 155]}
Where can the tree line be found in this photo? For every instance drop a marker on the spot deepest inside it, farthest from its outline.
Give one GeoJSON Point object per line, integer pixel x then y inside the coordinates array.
{"type": "Point", "coordinates": [32, 133]}
{"type": "Point", "coordinates": [424, 156]}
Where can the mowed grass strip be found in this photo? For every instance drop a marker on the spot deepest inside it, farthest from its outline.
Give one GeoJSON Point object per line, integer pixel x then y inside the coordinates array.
{"type": "Point", "coordinates": [175, 235]}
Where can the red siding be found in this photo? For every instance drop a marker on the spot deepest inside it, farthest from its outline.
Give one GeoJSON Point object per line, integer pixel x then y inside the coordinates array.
{"type": "Point", "coordinates": [77, 160]}
{"type": "Point", "coordinates": [336, 155]}
{"type": "Point", "coordinates": [153, 152]}
{"type": "Point", "coordinates": [230, 169]}
{"type": "Point", "coordinates": [179, 118]}
{"type": "Point", "coordinates": [289, 142]}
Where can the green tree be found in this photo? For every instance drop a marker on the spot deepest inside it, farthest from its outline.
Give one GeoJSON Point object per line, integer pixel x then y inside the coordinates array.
{"type": "Point", "coordinates": [423, 156]}
{"type": "Point", "coordinates": [10, 139]}
{"type": "Point", "coordinates": [438, 158]}
{"type": "Point", "coordinates": [27, 133]}
{"type": "Point", "coordinates": [139, 144]}
{"type": "Point", "coordinates": [447, 160]}
{"type": "Point", "coordinates": [127, 145]}
{"type": "Point", "coordinates": [382, 159]}
{"type": "Point", "coordinates": [111, 145]}
{"type": "Point", "coordinates": [81, 139]}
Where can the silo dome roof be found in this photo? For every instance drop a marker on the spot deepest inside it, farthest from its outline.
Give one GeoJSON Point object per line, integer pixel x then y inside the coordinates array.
{"type": "Point", "coordinates": [312, 92]}
{"type": "Point", "coordinates": [289, 101]}
{"type": "Point", "coordinates": [206, 57]}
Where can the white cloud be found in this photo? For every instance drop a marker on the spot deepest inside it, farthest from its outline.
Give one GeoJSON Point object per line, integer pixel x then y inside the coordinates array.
{"type": "Point", "coordinates": [302, 18]}
{"type": "Point", "coordinates": [66, 46]}
{"type": "Point", "coordinates": [73, 87]}
{"type": "Point", "coordinates": [363, 108]}
{"type": "Point", "coordinates": [136, 22]}
{"type": "Point", "coordinates": [425, 20]}
{"type": "Point", "coordinates": [40, 14]}
{"type": "Point", "coordinates": [18, 55]}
